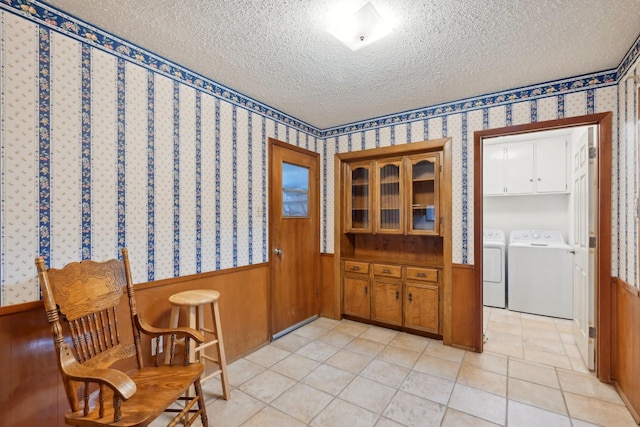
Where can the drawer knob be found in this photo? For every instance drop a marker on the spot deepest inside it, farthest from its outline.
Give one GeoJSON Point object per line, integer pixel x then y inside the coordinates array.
{"type": "Point", "coordinates": [355, 268]}
{"type": "Point", "coordinates": [421, 274]}
{"type": "Point", "coordinates": [386, 271]}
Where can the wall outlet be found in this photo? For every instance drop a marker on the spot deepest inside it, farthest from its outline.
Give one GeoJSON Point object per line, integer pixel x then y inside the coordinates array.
{"type": "Point", "coordinates": [157, 341]}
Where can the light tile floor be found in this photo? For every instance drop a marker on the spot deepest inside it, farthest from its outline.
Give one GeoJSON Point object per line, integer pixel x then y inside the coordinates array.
{"type": "Point", "coordinates": [343, 373]}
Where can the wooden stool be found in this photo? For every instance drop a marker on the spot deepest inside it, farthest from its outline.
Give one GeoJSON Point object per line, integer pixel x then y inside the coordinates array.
{"type": "Point", "coordinates": [197, 299]}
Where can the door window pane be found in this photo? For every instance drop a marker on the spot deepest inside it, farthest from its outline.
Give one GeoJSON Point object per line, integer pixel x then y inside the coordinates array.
{"type": "Point", "coordinates": [295, 190]}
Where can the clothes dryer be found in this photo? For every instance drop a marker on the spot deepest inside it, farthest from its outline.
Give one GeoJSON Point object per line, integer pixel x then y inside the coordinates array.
{"type": "Point", "coordinates": [493, 268]}
{"type": "Point", "coordinates": [540, 273]}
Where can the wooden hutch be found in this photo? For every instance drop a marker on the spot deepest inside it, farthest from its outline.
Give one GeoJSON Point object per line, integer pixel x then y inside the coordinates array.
{"type": "Point", "coordinates": [393, 236]}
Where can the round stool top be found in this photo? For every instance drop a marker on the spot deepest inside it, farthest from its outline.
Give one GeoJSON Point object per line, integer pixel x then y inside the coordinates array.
{"type": "Point", "coordinates": [194, 297]}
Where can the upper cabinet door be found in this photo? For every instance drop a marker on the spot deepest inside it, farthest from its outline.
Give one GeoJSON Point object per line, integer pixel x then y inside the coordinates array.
{"type": "Point", "coordinates": [389, 197]}
{"type": "Point", "coordinates": [424, 194]}
{"type": "Point", "coordinates": [520, 168]}
{"type": "Point", "coordinates": [551, 166]}
{"type": "Point", "coordinates": [493, 169]}
{"type": "Point", "coordinates": [358, 213]}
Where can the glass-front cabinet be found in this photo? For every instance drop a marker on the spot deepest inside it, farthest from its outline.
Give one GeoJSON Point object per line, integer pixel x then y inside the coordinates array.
{"type": "Point", "coordinates": [424, 216]}
{"type": "Point", "coordinates": [389, 213]}
{"type": "Point", "coordinates": [358, 218]}
{"type": "Point", "coordinates": [394, 196]}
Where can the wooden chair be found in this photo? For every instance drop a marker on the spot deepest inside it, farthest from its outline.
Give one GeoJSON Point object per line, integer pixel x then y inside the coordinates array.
{"type": "Point", "coordinates": [81, 300]}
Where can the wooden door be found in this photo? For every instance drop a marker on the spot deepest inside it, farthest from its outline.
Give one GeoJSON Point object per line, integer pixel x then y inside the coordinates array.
{"type": "Point", "coordinates": [389, 213]}
{"type": "Point", "coordinates": [294, 230]}
{"type": "Point", "coordinates": [386, 302]}
{"type": "Point", "coordinates": [423, 207]}
{"type": "Point", "coordinates": [421, 307]}
{"type": "Point", "coordinates": [358, 212]}
{"type": "Point", "coordinates": [357, 298]}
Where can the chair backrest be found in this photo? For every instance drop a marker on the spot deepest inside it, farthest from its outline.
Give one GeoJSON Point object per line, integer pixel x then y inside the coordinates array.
{"type": "Point", "coordinates": [84, 296]}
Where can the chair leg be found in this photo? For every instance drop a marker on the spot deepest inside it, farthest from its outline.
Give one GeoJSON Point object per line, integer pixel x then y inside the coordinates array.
{"type": "Point", "coordinates": [173, 323]}
{"type": "Point", "coordinates": [201, 405]}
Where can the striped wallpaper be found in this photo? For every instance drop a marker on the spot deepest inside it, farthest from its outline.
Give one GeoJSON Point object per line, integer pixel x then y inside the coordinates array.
{"type": "Point", "coordinates": [104, 145]}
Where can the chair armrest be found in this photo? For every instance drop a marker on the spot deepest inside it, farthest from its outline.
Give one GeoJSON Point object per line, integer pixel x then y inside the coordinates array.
{"type": "Point", "coordinates": [147, 329]}
{"type": "Point", "coordinates": [118, 381]}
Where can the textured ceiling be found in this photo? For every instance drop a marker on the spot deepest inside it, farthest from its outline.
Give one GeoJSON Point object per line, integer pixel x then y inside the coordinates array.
{"type": "Point", "coordinates": [278, 52]}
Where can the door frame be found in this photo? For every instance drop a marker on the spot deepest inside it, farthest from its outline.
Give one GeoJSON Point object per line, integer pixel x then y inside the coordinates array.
{"type": "Point", "coordinates": [603, 253]}
{"type": "Point", "coordinates": [272, 230]}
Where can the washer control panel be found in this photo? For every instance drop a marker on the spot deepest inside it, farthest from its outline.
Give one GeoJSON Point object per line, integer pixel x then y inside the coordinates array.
{"type": "Point", "coordinates": [540, 237]}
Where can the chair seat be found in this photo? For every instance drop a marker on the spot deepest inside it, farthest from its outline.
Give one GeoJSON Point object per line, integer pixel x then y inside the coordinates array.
{"type": "Point", "coordinates": [157, 388]}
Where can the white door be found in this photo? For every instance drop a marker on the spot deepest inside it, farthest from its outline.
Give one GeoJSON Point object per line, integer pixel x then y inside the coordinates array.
{"type": "Point", "coordinates": [520, 168]}
{"type": "Point", "coordinates": [551, 165]}
{"type": "Point", "coordinates": [583, 177]}
{"type": "Point", "coordinates": [493, 158]}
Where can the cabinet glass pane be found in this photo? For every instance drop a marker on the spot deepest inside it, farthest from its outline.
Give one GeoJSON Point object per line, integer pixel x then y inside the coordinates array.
{"type": "Point", "coordinates": [423, 203]}
{"type": "Point", "coordinates": [390, 197]}
{"type": "Point", "coordinates": [295, 190]}
{"type": "Point", "coordinates": [360, 198]}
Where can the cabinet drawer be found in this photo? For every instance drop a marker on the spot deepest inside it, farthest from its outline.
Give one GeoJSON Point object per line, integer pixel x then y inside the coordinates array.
{"type": "Point", "coordinates": [356, 267]}
{"type": "Point", "coordinates": [387, 270]}
{"type": "Point", "coordinates": [425, 274]}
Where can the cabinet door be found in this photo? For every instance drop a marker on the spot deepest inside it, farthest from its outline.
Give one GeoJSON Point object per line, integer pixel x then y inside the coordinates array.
{"type": "Point", "coordinates": [389, 217]}
{"type": "Point", "coordinates": [421, 307]}
{"type": "Point", "coordinates": [520, 168]}
{"type": "Point", "coordinates": [493, 169]}
{"type": "Point", "coordinates": [424, 194]}
{"type": "Point", "coordinates": [551, 166]}
{"type": "Point", "coordinates": [356, 296]}
{"type": "Point", "coordinates": [386, 302]}
{"type": "Point", "coordinates": [357, 214]}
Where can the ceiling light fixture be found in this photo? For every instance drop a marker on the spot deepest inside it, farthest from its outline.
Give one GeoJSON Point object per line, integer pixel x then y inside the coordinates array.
{"type": "Point", "coordinates": [361, 28]}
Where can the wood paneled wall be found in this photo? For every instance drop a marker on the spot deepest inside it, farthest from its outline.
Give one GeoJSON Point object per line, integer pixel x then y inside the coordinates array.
{"type": "Point", "coordinates": [466, 328]}
{"type": "Point", "coordinates": [31, 393]}
{"type": "Point", "coordinates": [625, 337]}
{"type": "Point", "coordinates": [329, 306]}
{"type": "Point", "coordinates": [244, 302]}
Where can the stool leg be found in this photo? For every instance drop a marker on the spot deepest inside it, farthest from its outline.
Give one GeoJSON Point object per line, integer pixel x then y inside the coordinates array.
{"type": "Point", "coordinates": [222, 360]}
{"type": "Point", "coordinates": [192, 343]}
{"type": "Point", "coordinates": [200, 328]}
{"type": "Point", "coordinates": [173, 323]}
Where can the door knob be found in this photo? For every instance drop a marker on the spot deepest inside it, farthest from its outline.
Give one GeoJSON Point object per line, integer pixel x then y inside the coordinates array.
{"type": "Point", "coordinates": [278, 251]}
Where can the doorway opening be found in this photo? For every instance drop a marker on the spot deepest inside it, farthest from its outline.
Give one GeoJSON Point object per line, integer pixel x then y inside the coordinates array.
{"type": "Point", "coordinates": [600, 262]}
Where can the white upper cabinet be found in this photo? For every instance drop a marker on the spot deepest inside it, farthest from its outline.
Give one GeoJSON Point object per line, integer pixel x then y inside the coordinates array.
{"type": "Point", "coordinates": [520, 178]}
{"type": "Point", "coordinates": [525, 167]}
{"type": "Point", "coordinates": [493, 170]}
{"type": "Point", "coordinates": [551, 166]}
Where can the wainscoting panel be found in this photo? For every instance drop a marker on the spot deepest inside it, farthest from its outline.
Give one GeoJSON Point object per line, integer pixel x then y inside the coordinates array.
{"type": "Point", "coordinates": [625, 369]}
{"type": "Point", "coordinates": [466, 329]}
{"type": "Point", "coordinates": [31, 393]}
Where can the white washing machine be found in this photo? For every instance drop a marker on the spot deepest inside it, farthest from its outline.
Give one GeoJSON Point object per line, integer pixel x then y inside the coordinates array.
{"type": "Point", "coordinates": [540, 279]}
{"type": "Point", "coordinates": [493, 268]}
